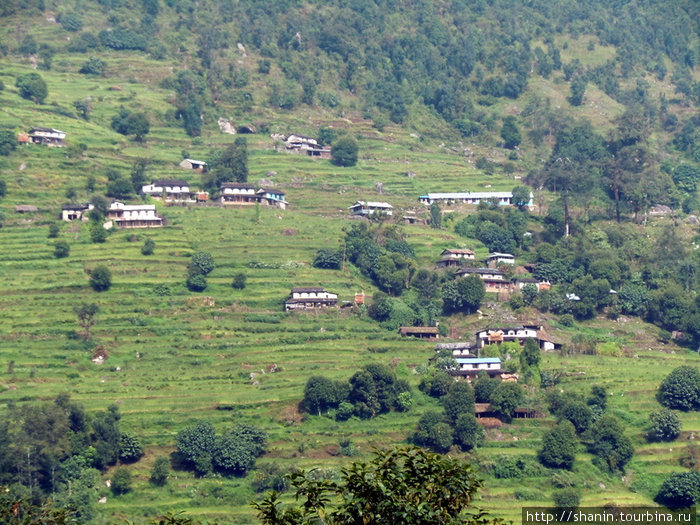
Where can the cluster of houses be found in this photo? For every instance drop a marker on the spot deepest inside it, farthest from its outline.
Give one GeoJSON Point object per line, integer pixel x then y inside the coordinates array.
{"type": "Point", "coordinates": [470, 364]}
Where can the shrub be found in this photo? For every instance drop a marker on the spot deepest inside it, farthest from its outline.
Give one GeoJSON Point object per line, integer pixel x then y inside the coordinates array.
{"type": "Point", "coordinates": [664, 426]}
{"type": "Point", "coordinates": [160, 472]}
{"type": "Point", "coordinates": [130, 448]}
{"type": "Point", "coordinates": [432, 432]}
{"type": "Point", "coordinates": [468, 433]}
{"type": "Point", "coordinates": [680, 490]}
{"type": "Point", "coordinates": [196, 283]}
{"type": "Point", "coordinates": [681, 389]}
{"type": "Point", "coordinates": [53, 230]}
{"type": "Point", "coordinates": [239, 281]}
{"type": "Point", "coordinates": [70, 22]}
{"type": "Point", "coordinates": [328, 259]}
{"type": "Point", "coordinates": [201, 263]}
{"type": "Point", "coordinates": [148, 247]}
{"type": "Point", "coordinates": [93, 66]}
{"type": "Point", "coordinates": [61, 249]}
{"type": "Point", "coordinates": [121, 481]}
{"type": "Point", "coordinates": [32, 87]}
{"type": "Point", "coordinates": [344, 151]}
{"type": "Point", "coordinates": [559, 446]}
{"type": "Point", "coordinates": [568, 498]}
{"type": "Point", "coordinates": [8, 144]}
{"type": "Point", "coordinates": [101, 279]}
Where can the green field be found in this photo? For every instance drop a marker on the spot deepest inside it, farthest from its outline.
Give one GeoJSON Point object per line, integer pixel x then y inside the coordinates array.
{"type": "Point", "coordinates": [175, 356]}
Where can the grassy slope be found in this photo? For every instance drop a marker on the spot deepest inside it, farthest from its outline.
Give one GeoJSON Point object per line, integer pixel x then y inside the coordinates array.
{"type": "Point", "coordinates": [173, 358]}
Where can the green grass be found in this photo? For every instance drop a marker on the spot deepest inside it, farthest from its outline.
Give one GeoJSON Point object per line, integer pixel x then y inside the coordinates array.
{"type": "Point", "coordinates": [174, 358]}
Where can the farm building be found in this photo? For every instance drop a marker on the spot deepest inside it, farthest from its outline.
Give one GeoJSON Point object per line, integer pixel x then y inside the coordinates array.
{"type": "Point", "coordinates": [421, 332]}
{"type": "Point", "coordinates": [133, 216]}
{"type": "Point", "coordinates": [494, 280]}
{"type": "Point", "coordinates": [520, 334]}
{"type": "Point", "coordinates": [504, 198]}
{"type": "Point", "coordinates": [310, 298]}
{"type": "Point", "coordinates": [46, 136]}
{"type": "Point", "coordinates": [244, 194]}
{"type": "Point", "coordinates": [169, 190]}
{"type": "Point", "coordinates": [365, 208]}
{"type": "Point", "coordinates": [454, 257]}
{"type": "Point", "coordinates": [75, 212]}
{"type": "Point", "coordinates": [191, 164]}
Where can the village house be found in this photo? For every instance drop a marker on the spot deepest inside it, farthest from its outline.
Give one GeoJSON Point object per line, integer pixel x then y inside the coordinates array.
{"type": "Point", "coordinates": [132, 216]}
{"type": "Point", "coordinates": [540, 285]}
{"type": "Point", "coordinates": [47, 136]}
{"type": "Point", "coordinates": [495, 258]}
{"type": "Point", "coordinates": [460, 349]}
{"type": "Point", "coordinates": [421, 332]}
{"type": "Point", "coordinates": [75, 212]}
{"type": "Point", "coordinates": [519, 334]}
{"type": "Point", "coordinates": [191, 164]}
{"type": "Point", "coordinates": [301, 142]}
{"type": "Point", "coordinates": [454, 257]}
{"type": "Point", "coordinates": [169, 190]}
{"type": "Point", "coordinates": [244, 194]}
{"type": "Point", "coordinates": [504, 198]}
{"type": "Point", "coordinates": [366, 208]}
{"type": "Point", "coordinates": [310, 298]}
{"type": "Point", "coordinates": [494, 280]}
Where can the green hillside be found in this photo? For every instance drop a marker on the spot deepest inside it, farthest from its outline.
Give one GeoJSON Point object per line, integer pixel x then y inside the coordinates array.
{"type": "Point", "coordinates": [425, 88]}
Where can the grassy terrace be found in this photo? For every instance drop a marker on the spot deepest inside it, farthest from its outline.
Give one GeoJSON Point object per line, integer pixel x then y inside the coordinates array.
{"type": "Point", "coordinates": [174, 356]}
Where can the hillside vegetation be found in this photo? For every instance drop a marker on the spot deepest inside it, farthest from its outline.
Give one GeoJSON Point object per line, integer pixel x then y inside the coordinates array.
{"type": "Point", "coordinates": [591, 105]}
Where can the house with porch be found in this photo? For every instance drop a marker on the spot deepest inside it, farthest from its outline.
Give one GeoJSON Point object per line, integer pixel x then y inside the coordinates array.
{"type": "Point", "coordinates": [519, 334]}
{"type": "Point", "coordinates": [122, 215]}
{"type": "Point", "coordinates": [494, 280]}
{"type": "Point", "coordinates": [454, 257]}
{"type": "Point", "coordinates": [47, 136]}
{"type": "Point", "coordinates": [540, 285]}
{"type": "Point", "coordinates": [169, 190]}
{"type": "Point", "coordinates": [310, 298]}
{"type": "Point", "coordinates": [495, 258]}
{"type": "Point", "coordinates": [366, 208]}
{"type": "Point", "coordinates": [459, 349]}
{"type": "Point", "coordinates": [503, 198]}
{"type": "Point", "coordinates": [244, 194]}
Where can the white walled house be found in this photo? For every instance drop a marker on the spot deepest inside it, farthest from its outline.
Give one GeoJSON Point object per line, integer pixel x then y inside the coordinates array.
{"type": "Point", "coordinates": [454, 257]}
{"type": "Point", "coordinates": [494, 280]}
{"type": "Point", "coordinates": [133, 216]}
{"type": "Point", "coordinates": [191, 164]}
{"type": "Point", "coordinates": [365, 208]}
{"type": "Point", "coordinates": [518, 334]}
{"type": "Point", "coordinates": [495, 258]}
{"type": "Point", "coordinates": [310, 298]}
{"type": "Point", "coordinates": [243, 194]}
{"type": "Point", "coordinates": [504, 198]}
{"type": "Point", "coordinates": [169, 190]}
{"type": "Point", "coordinates": [48, 136]}
{"type": "Point", "coordinates": [75, 212]}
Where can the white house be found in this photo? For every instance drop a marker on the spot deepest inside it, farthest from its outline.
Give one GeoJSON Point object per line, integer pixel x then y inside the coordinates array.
{"type": "Point", "coordinates": [519, 334]}
{"type": "Point", "coordinates": [75, 212]}
{"type": "Point", "coordinates": [365, 208]}
{"type": "Point", "coordinates": [504, 198]}
{"type": "Point", "coordinates": [133, 216]}
{"type": "Point", "coordinates": [49, 136]}
{"type": "Point", "coordinates": [301, 142]}
{"type": "Point", "coordinates": [242, 194]}
{"type": "Point", "coordinates": [310, 298]}
{"type": "Point", "coordinates": [477, 364]}
{"type": "Point", "coordinates": [452, 257]}
{"type": "Point", "coordinates": [494, 259]}
{"type": "Point", "coordinates": [192, 164]}
{"type": "Point", "coordinates": [169, 190]}
{"type": "Point", "coordinates": [494, 280]}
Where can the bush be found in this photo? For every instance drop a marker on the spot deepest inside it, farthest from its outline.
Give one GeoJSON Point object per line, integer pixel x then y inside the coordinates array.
{"type": "Point", "coordinates": [130, 448]}
{"type": "Point", "coordinates": [54, 229]}
{"type": "Point", "coordinates": [70, 22]}
{"type": "Point", "coordinates": [8, 144]}
{"type": "Point", "coordinates": [327, 258]}
{"type": "Point", "coordinates": [344, 151]}
{"type": "Point", "coordinates": [121, 481]}
{"type": "Point", "coordinates": [202, 263]}
{"type": "Point", "coordinates": [680, 490]}
{"type": "Point", "coordinates": [148, 247]}
{"type": "Point", "coordinates": [61, 249]}
{"type": "Point", "coordinates": [468, 433]}
{"type": "Point", "coordinates": [32, 87]}
{"type": "Point", "coordinates": [681, 389]}
{"type": "Point", "coordinates": [101, 279]}
{"type": "Point", "coordinates": [239, 281]}
{"type": "Point", "coordinates": [568, 498]}
{"type": "Point", "coordinates": [432, 432]}
{"type": "Point", "coordinates": [196, 283]}
{"type": "Point", "coordinates": [559, 446]}
{"type": "Point", "coordinates": [160, 472]}
{"type": "Point", "coordinates": [665, 426]}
